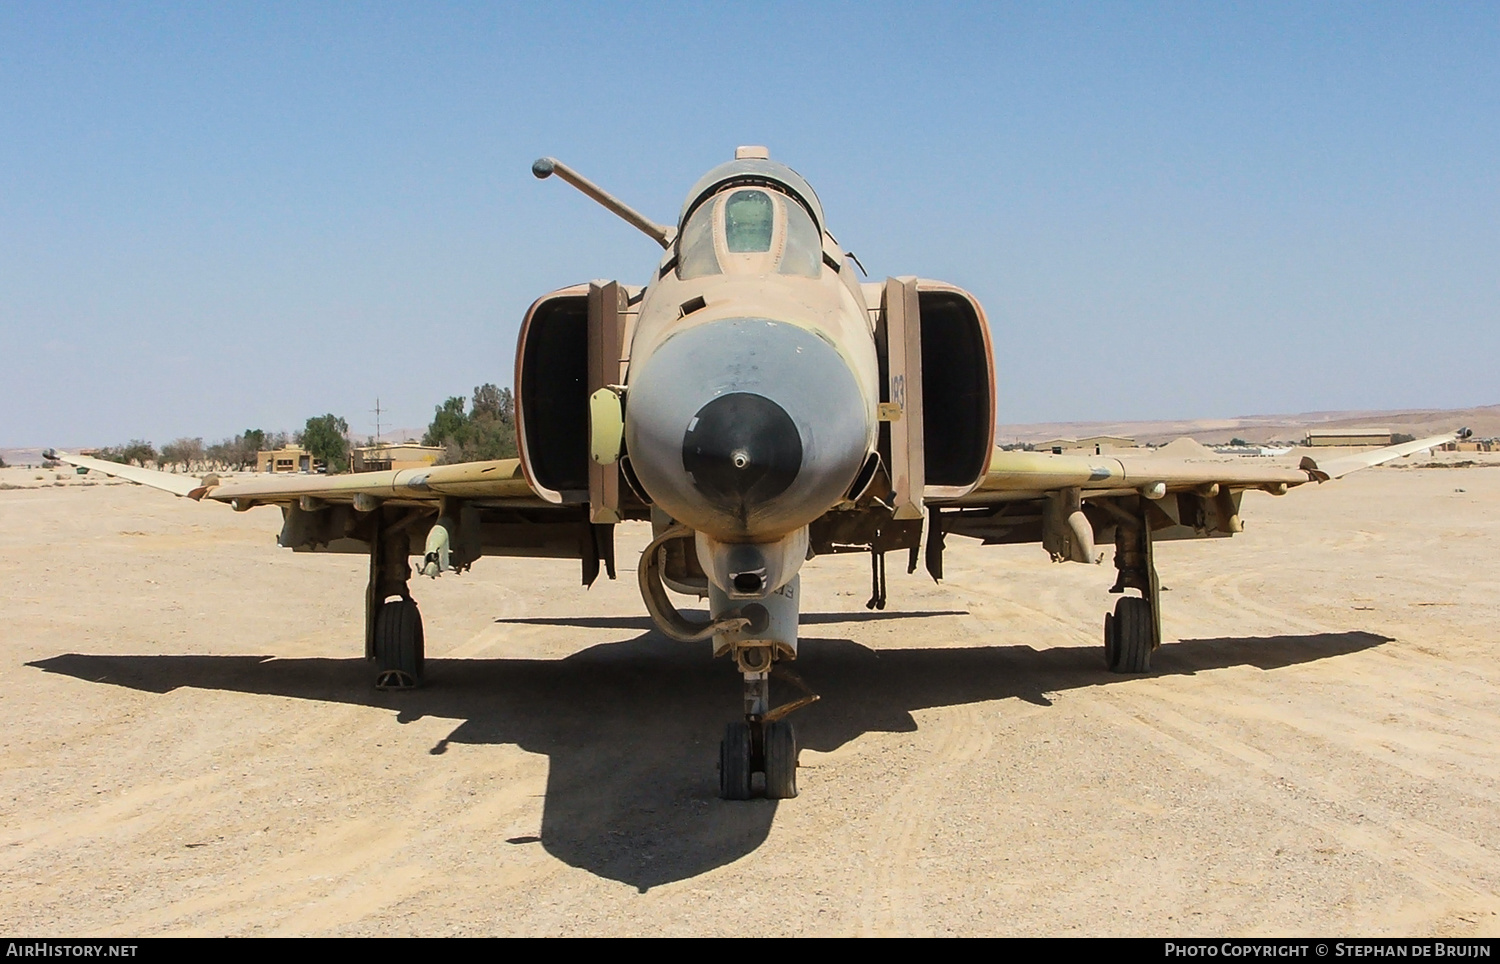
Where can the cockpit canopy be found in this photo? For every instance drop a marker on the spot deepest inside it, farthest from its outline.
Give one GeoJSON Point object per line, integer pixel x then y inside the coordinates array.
{"type": "Point", "coordinates": [753, 171]}
{"type": "Point", "coordinates": [758, 226]}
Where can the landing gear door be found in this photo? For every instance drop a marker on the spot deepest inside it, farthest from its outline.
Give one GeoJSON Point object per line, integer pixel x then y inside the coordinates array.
{"type": "Point", "coordinates": [899, 333]}
{"type": "Point", "coordinates": [608, 302]}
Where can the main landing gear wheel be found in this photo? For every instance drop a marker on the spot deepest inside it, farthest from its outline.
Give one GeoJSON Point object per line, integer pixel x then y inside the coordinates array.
{"type": "Point", "coordinates": [399, 646]}
{"type": "Point", "coordinates": [736, 762]}
{"type": "Point", "coordinates": [1128, 636]}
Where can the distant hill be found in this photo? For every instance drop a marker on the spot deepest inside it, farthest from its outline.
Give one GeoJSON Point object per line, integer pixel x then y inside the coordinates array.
{"type": "Point", "coordinates": [25, 456]}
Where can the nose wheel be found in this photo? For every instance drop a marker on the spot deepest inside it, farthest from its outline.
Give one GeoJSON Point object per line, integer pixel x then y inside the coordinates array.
{"type": "Point", "coordinates": [763, 742]}
{"type": "Point", "coordinates": [769, 749]}
{"type": "Point", "coordinates": [736, 762]}
{"type": "Point", "coordinates": [780, 759]}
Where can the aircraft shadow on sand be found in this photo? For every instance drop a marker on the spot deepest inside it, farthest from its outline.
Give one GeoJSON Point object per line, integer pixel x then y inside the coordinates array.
{"type": "Point", "coordinates": [632, 727]}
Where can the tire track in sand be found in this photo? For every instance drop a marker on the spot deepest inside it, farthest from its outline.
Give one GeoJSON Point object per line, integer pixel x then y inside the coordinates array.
{"type": "Point", "coordinates": [892, 902]}
{"type": "Point", "coordinates": [1370, 829]}
{"type": "Point", "coordinates": [953, 738]}
{"type": "Point", "coordinates": [355, 868]}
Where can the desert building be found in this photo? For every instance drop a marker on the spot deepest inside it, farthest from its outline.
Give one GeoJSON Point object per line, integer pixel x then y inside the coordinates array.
{"type": "Point", "coordinates": [1471, 445]}
{"type": "Point", "coordinates": [291, 458]}
{"type": "Point", "coordinates": [1093, 445]}
{"type": "Point", "coordinates": [1372, 437]}
{"type": "Point", "coordinates": [389, 455]}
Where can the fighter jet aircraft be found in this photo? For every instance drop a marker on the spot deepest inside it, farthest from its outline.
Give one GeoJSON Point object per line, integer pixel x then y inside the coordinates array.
{"type": "Point", "coordinates": [760, 406]}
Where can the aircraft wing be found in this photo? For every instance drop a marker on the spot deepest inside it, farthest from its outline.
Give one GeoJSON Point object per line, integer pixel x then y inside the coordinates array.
{"type": "Point", "coordinates": [463, 511]}
{"type": "Point", "coordinates": [1069, 503]}
{"type": "Point", "coordinates": [166, 481]}
{"type": "Point", "coordinates": [500, 479]}
{"type": "Point", "coordinates": [1338, 468]}
{"type": "Point", "coordinates": [1017, 476]}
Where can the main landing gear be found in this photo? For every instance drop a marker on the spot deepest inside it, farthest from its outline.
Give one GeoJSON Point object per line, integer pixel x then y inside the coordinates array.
{"type": "Point", "coordinates": [1127, 636]}
{"type": "Point", "coordinates": [393, 625]}
{"type": "Point", "coordinates": [764, 742]}
{"type": "Point", "coordinates": [399, 645]}
{"type": "Point", "coordinates": [1133, 630]}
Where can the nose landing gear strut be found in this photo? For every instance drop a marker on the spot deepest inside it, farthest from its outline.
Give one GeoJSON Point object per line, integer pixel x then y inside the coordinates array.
{"type": "Point", "coordinates": [765, 742]}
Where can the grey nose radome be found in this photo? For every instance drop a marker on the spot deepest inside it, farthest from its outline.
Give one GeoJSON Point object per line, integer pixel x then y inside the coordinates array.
{"type": "Point", "coordinates": [741, 449]}
{"type": "Point", "coordinates": [746, 428]}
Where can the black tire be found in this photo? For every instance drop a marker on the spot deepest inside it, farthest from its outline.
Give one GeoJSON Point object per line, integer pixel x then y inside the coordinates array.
{"type": "Point", "coordinates": [399, 646]}
{"type": "Point", "coordinates": [1133, 636]}
{"type": "Point", "coordinates": [1111, 645]}
{"type": "Point", "coordinates": [734, 762]}
{"type": "Point", "coordinates": [781, 760]}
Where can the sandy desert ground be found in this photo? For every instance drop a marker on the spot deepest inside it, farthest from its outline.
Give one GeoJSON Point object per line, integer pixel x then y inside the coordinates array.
{"type": "Point", "coordinates": [189, 743]}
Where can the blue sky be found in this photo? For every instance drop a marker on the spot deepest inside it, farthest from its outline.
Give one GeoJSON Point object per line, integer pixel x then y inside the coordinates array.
{"type": "Point", "coordinates": [215, 217]}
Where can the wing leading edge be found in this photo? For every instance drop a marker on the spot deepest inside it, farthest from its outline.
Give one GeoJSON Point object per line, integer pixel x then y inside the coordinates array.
{"type": "Point", "coordinates": [1018, 476]}
{"type": "Point", "coordinates": [166, 481]}
{"type": "Point", "coordinates": [498, 479]}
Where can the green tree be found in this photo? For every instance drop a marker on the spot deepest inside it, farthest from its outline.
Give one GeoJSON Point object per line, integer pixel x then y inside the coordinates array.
{"type": "Point", "coordinates": [448, 422]}
{"type": "Point", "coordinates": [221, 455]}
{"type": "Point", "coordinates": [184, 452]}
{"type": "Point", "coordinates": [487, 431]}
{"type": "Point", "coordinates": [135, 452]}
{"type": "Point", "coordinates": [492, 425]}
{"type": "Point", "coordinates": [493, 402]}
{"type": "Point", "coordinates": [326, 438]}
{"type": "Point", "coordinates": [247, 446]}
